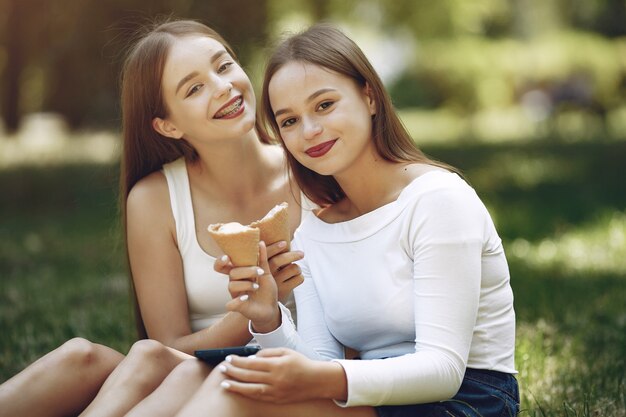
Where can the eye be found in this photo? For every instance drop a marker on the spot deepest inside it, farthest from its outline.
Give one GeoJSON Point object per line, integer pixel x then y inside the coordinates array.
{"type": "Point", "coordinates": [193, 90]}
{"type": "Point", "coordinates": [288, 122]}
{"type": "Point", "coordinates": [325, 105]}
{"type": "Point", "coordinates": [224, 66]}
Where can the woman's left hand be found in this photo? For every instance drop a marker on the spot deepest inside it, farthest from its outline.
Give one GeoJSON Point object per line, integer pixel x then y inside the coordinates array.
{"type": "Point", "coordinates": [281, 375]}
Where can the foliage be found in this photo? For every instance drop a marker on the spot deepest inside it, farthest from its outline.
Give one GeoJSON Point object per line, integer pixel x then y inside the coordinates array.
{"type": "Point", "coordinates": [64, 56]}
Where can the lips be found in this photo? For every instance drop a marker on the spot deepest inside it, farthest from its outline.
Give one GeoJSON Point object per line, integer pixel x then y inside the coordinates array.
{"type": "Point", "coordinates": [321, 149]}
{"type": "Point", "coordinates": [231, 109]}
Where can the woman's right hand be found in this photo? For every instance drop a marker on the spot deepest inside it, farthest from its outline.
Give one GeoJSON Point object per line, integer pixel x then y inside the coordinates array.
{"type": "Point", "coordinates": [283, 268]}
{"type": "Point", "coordinates": [255, 293]}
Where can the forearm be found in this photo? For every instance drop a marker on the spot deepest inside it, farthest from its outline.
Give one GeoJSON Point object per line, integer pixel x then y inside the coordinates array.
{"type": "Point", "coordinates": [231, 330]}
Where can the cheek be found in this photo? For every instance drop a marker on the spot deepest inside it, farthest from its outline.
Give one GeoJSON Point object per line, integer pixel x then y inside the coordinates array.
{"type": "Point", "coordinates": [289, 143]}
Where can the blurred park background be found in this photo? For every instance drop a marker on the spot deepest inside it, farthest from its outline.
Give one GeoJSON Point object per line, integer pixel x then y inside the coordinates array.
{"type": "Point", "coordinates": [527, 97]}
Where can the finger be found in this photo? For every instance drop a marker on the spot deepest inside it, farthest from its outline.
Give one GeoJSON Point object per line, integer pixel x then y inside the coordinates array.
{"type": "Point", "coordinates": [276, 248]}
{"type": "Point", "coordinates": [252, 362]}
{"type": "Point", "coordinates": [243, 374]}
{"type": "Point", "coordinates": [281, 260]}
{"type": "Point", "coordinates": [237, 287]}
{"type": "Point", "coordinates": [288, 272]}
{"type": "Point", "coordinates": [288, 286]}
{"type": "Point", "coordinates": [223, 265]}
{"type": "Point", "coordinates": [255, 391]}
{"type": "Point", "coordinates": [237, 304]}
{"type": "Point", "coordinates": [270, 353]}
{"type": "Point", "coordinates": [263, 264]}
{"type": "Point", "coordinates": [250, 273]}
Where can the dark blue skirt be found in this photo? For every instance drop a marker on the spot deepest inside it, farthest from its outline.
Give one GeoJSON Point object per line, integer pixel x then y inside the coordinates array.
{"type": "Point", "coordinates": [483, 393]}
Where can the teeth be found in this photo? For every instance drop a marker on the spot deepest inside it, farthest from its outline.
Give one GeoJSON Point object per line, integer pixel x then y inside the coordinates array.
{"type": "Point", "coordinates": [233, 108]}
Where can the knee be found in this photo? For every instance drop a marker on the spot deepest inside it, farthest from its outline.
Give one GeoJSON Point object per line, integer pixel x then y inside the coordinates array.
{"type": "Point", "coordinates": [79, 352]}
{"type": "Point", "coordinates": [148, 350]}
{"type": "Point", "coordinates": [151, 356]}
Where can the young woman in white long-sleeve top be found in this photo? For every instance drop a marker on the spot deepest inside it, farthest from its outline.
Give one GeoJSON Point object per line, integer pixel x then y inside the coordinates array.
{"type": "Point", "coordinates": [402, 263]}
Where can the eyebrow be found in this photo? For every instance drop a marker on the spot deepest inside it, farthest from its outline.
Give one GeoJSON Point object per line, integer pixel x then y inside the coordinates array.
{"type": "Point", "coordinates": [310, 98]}
{"type": "Point", "coordinates": [193, 74]}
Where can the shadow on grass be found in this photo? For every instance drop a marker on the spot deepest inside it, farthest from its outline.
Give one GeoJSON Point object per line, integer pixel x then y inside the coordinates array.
{"type": "Point", "coordinates": [538, 190]}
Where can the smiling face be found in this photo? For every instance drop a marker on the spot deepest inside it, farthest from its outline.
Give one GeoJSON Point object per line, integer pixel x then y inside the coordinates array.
{"type": "Point", "coordinates": [207, 94]}
{"type": "Point", "coordinates": [323, 117]}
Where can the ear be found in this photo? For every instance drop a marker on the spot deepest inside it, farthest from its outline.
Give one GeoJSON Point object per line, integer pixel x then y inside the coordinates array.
{"type": "Point", "coordinates": [367, 90]}
{"type": "Point", "coordinates": [166, 128]}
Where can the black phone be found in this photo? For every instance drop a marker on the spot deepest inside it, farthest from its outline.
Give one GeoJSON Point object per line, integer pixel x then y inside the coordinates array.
{"type": "Point", "coordinates": [215, 356]}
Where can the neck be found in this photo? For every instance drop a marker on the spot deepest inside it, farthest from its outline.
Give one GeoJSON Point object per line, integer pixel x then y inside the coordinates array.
{"type": "Point", "coordinates": [371, 183]}
{"type": "Point", "coordinates": [234, 169]}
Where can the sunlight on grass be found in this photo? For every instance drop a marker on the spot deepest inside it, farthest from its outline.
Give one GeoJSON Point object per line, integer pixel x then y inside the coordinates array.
{"type": "Point", "coordinates": [599, 246]}
{"type": "Point", "coordinates": [44, 139]}
{"type": "Point", "coordinates": [551, 372]}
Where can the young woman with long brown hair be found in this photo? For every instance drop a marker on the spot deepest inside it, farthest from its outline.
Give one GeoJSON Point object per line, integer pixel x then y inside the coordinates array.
{"type": "Point", "coordinates": [193, 155]}
{"type": "Point", "coordinates": [402, 263]}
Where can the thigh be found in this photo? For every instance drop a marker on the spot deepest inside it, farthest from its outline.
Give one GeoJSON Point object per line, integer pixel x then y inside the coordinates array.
{"type": "Point", "coordinates": [482, 394]}
{"type": "Point", "coordinates": [175, 390]}
{"type": "Point", "coordinates": [211, 397]}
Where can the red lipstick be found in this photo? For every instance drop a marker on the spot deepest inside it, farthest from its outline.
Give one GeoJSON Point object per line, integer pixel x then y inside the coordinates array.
{"type": "Point", "coordinates": [321, 149]}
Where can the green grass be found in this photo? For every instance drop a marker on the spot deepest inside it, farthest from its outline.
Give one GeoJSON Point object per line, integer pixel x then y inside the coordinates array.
{"type": "Point", "coordinates": [560, 210]}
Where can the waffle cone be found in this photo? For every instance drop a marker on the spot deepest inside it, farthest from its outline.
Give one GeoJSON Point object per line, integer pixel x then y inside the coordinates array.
{"type": "Point", "coordinates": [276, 227]}
{"type": "Point", "coordinates": [242, 248]}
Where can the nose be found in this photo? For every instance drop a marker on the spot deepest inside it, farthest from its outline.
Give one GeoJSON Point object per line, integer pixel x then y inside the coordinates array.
{"type": "Point", "coordinates": [223, 87]}
{"type": "Point", "coordinates": [311, 128]}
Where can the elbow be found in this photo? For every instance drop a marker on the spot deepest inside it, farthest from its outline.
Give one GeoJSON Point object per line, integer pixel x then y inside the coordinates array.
{"type": "Point", "coordinates": [453, 382]}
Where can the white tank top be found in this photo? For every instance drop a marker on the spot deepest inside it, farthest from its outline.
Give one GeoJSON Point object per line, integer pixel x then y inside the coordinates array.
{"type": "Point", "coordinates": [207, 290]}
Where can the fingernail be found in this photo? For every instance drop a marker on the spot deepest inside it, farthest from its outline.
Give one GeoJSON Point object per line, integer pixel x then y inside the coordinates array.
{"type": "Point", "coordinates": [221, 368]}
{"type": "Point", "coordinates": [255, 286]}
{"type": "Point", "coordinates": [244, 297]}
{"type": "Point", "coordinates": [252, 356]}
{"type": "Point", "coordinates": [260, 271]}
{"type": "Point", "coordinates": [228, 358]}
{"type": "Point", "coordinates": [224, 384]}
{"type": "Point", "coordinates": [282, 244]}
{"type": "Point", "coordinates": [224, 258]}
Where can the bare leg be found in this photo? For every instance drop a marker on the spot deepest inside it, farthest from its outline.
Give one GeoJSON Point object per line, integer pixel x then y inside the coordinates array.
{"type": "Point", "coordinates": [148, 362]}
{"type": "Point", "coordinates": [212, 399]}
{"type": "Point", "coordinates": [175, 390]}
{"type": "Point", "coordinates": [62, 382]}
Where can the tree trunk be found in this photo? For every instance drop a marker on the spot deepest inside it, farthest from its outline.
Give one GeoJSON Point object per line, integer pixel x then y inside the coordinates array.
{"type": "Point", "coordinates": [14, 66]}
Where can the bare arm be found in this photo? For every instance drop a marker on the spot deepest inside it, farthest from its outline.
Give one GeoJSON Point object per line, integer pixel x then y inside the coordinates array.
{"type": "Point", "coordinates": [157, 271]}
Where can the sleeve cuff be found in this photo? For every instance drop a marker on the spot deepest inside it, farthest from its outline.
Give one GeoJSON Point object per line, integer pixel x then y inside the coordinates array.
{"type": "Point", "coordinates": [280, 337]}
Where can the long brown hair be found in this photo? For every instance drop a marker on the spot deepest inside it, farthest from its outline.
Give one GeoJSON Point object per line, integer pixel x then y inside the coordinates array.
{"type": "Point", "coordinates": [144, 150]}
{"type": "Point", "coordinates": [326, 46]}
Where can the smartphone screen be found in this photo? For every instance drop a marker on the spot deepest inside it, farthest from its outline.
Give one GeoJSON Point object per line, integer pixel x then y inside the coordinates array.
{"type": "Point", "coordinates": [215, 356]}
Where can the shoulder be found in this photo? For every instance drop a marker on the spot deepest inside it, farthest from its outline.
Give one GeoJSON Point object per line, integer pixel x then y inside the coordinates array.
{"type": "Point", "coordinates": [149, 192]}
{"type": "Point", "coordinates": [444, 204]}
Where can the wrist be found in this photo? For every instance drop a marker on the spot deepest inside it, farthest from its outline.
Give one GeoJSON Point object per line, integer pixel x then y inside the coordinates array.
{"type": "Point", "coordinates": [332, 381]}
{"type": "Point", "coordinates": [268, 326]}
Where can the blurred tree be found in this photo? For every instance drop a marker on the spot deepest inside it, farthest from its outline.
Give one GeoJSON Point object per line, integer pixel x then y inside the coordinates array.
{"type": "Point", "coordinates": [75, 48]}
{"type": "Point", "coordinates": [64, 55]}
{"type": "Point", "coordinates": [607, 17]}
{"type": "Point", "coordinates": [13, 12]}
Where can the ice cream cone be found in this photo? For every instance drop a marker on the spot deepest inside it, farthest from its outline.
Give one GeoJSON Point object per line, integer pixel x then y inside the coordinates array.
{"type": "Point", "coordinates": [240, 243]}
{"type": "Point", "coordinates": [275, 225]}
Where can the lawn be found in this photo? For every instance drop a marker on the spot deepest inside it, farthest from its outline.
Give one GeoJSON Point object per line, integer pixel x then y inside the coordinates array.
{"type": "Point", "coordinates": [560, 209]}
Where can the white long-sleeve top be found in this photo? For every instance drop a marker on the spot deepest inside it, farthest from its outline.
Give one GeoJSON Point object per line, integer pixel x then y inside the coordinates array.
{"type": "Point", "coordinates": [420, 287]}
